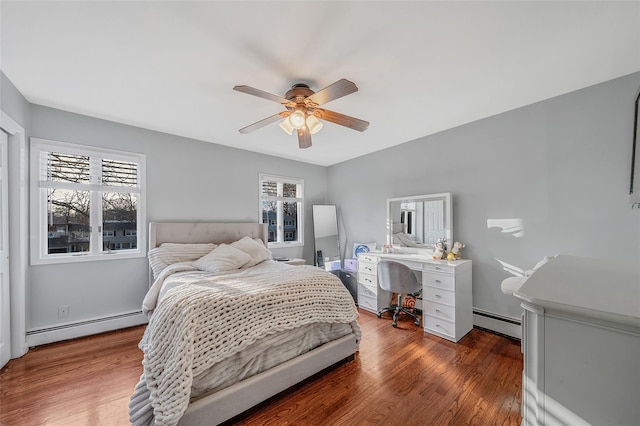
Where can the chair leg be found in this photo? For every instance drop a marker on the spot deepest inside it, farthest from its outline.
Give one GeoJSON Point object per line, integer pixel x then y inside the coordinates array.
{"type": "Point", "coordinates": [397, 309]}
{"type": "Point", "coordinates": [412, 315]}
{"type": "Point", "coordinates": [397, 312]}
{"type": "Point", "coordinates": [387, 309]}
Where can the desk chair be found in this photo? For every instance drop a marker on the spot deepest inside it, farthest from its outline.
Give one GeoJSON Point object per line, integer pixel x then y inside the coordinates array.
{"type": "Point", "coordinates": [395, 277]}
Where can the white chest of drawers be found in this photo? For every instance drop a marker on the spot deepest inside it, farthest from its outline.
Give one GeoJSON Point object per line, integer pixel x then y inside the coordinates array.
{"type": "Point", "coordinates": [581, 343]}
{"type": "Point", "coordinates": [447, 306]}
{"type": "Point", "coordinates": [370, 296]}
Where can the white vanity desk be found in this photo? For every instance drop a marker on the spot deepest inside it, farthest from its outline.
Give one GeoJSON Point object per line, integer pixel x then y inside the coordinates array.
{"type": "Point", "coordinates": [446, 291]}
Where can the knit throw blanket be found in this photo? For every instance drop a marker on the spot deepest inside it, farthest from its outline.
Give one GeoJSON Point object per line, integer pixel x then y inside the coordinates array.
{"type": "Point", "coordinates": [197, 325]}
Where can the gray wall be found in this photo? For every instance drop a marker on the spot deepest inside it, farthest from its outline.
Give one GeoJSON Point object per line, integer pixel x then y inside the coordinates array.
{"type": "Point", "coordinates": [13, 103]}
{"type": "Point", "coordinates": [187, 180]}
{"type": "Point", "coordinates": [562, 166]}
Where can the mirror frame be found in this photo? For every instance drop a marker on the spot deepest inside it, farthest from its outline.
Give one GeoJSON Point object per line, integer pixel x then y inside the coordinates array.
{"type": "Point", "coordinates": [316, 210]}
{"type": "Point", "coordinates": [634, 186]}
{"type": "Point", "coordinates": [448, 214]}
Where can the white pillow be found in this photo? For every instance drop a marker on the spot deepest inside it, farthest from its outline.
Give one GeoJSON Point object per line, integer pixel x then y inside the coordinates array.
{"type": "Point", "coordinates": [170, 253]}
{"type": "Point", "coordinates": [254, 248]}
{"type": "Point", "coordinates": [222, 258]}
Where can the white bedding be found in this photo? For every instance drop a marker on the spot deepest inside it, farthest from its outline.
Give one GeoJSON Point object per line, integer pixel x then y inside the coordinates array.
{"type": "Point", "coordinates": [210, 330]}
{"type": "Point", "coordinates": [186, 272]}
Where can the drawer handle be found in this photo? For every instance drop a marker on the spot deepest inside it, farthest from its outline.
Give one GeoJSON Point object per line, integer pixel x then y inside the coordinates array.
{"type": "Point", "coordinates": [367, 279]}
{"type": "Point", "coordinates": [438, 325]}
{"type": "Point", "coordinates": [438, 296]}
{"type": "Point", "coordinates": [368, 269]}
{"type": "Point", "coordinates": [437, 268]}
{"type": "Point", "coordinates": [438, 281]}
{"type": "Point", "coordinates": [438, 311]}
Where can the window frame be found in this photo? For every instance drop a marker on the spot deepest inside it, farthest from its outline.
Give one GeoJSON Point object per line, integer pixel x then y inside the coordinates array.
{"type": "Point", "coordinates": [280, 243]}
{"type": "Point", "coordinates": [38, 204]}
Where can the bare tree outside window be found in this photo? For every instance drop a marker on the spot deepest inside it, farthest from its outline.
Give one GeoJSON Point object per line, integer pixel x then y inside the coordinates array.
{"type": "Point", "coordinates": [68, 221]}
{"type": "Point", "coordinates": [281, 208]}
{"type": "Point", "coordinates": [88, 203]}
{"type": "Point", "coordinates": [69, 210]}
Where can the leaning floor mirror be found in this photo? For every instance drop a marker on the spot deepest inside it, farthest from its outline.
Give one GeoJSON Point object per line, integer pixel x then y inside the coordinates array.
{"type": "Point", "coordinates": [325, 234]}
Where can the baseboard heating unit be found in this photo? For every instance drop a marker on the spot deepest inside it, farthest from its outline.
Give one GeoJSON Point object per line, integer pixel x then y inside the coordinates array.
{"type": "Point", "coordinates": [42, 336]}
{"type": "Point", "coordinates": [501, 324]}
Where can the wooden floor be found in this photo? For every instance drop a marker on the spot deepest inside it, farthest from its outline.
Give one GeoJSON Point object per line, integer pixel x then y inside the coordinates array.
{"type": "Point", "coordinates": [400, 376]}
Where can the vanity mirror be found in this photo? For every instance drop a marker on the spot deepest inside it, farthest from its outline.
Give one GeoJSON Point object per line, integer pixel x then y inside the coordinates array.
{"type": "Point", "coordinates": [419, 221]}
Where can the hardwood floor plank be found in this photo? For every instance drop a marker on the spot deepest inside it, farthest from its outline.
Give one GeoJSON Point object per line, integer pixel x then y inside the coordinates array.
{"type": "Point", "coordinates": [399, 376]}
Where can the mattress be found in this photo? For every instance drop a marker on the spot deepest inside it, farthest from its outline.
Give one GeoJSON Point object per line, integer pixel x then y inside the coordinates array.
{"type": "Point", "coordinates": [210, 330]}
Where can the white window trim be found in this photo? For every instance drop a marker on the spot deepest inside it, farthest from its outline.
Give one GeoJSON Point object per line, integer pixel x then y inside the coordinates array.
{"type": "Point", "coordinates": [38, 219]}
{"type": "Point", "coordinates": [300, 199]}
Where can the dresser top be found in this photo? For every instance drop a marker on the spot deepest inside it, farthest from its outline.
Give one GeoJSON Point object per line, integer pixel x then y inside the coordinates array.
{"type": "Point", "coordinates": [594, 288]}
{"type": "Point", "coordinates": [420, 258]}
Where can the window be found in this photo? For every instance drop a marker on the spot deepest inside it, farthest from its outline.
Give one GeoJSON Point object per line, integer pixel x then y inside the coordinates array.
{"type": "Point", "coordinates": [87, 203]}
{"type": "Point", "coordinates": [281, 207]}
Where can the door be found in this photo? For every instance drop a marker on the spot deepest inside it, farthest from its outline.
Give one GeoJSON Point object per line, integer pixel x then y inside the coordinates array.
{"type": "Point", "coordinates": [434, 227]}
{"type": "Point", "coordinates": [5, 326]}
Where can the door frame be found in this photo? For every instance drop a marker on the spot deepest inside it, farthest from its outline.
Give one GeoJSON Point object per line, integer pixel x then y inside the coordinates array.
{"type": "Point", "coordinates": [18, 159]}
{"type": "Point", "coordinates": [5, 294]}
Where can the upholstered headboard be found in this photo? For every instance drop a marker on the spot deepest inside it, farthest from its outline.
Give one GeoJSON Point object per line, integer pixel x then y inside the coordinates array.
{"type": "Point", "coordinates": [204, 232]}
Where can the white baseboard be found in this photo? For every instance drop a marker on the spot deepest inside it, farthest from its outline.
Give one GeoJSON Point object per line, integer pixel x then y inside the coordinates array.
{"type": "Point", "coordinates": [71, 331]}
{"type": "Point", "coordinates": [498, 323]}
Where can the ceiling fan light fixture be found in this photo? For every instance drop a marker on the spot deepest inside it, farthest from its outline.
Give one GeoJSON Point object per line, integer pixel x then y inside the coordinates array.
{"type": "Point", "coordinates": [297, 119]}
{"type": "Point", "coordinates": [286, 126]}
{"type": "Point", "coordinates": [313, 124]}
{"type": "Point", "coordinates": [303, 116]}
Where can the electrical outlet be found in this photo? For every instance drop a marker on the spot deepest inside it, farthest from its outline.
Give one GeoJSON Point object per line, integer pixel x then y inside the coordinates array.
{"type": "Point", "coordinates": [63, 311]}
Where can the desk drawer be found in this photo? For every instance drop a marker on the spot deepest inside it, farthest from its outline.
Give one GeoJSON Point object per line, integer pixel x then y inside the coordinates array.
{"type": "Point", "coordinates": [439, 310]}
{"type": "Point", "coordinates": [368, 258]}
{"type": "Point", "coordinates": [369, 281]}
{"type": "Point", "coordinates": [367, 268]}
{"type": "Point", "coordinates": [367, 302]}
{"type": "Point", "coordinates": [439, 326]}
{"type": "Point", "coordinates": [444, 281]}
{"type": "Point", "coordinates": [439, 295]}
{"type": "Point", "coordinates": [366, 291]}
{"type": "Point", "coordinates": [442, 268]}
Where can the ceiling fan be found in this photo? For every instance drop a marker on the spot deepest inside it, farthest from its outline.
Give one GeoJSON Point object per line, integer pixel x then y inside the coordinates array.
{"type": "Point", "coordinates": [303, 112]}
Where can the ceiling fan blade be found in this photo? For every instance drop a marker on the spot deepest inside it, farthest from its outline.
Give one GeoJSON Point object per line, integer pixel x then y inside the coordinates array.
{"type": "Point", "coordinates": [261, 94]}
{"type": "Point", "coordinates": [265, 121]}
{"type": "Point", "coordinates": [341, 119]}
{"type": "Point", "coordinates": [304, 138]}
{"type": "Point", "coordinates": [334, 91]}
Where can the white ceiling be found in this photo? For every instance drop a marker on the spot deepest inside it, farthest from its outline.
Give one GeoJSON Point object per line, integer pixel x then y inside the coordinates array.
{"type": "Point", "coordinates": [421, 67]}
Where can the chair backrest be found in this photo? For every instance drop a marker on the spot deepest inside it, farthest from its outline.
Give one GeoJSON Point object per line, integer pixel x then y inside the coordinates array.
{"type": "Point", "coordinates": [397, 277]}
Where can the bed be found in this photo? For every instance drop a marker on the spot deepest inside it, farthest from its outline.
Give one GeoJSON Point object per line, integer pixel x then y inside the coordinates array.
{"type": "Point", "coordinates": [221, 340]}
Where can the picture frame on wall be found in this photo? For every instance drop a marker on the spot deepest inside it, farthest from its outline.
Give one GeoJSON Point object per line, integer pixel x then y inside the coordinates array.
{"type": "Point", "coordinates": [634, 186]}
